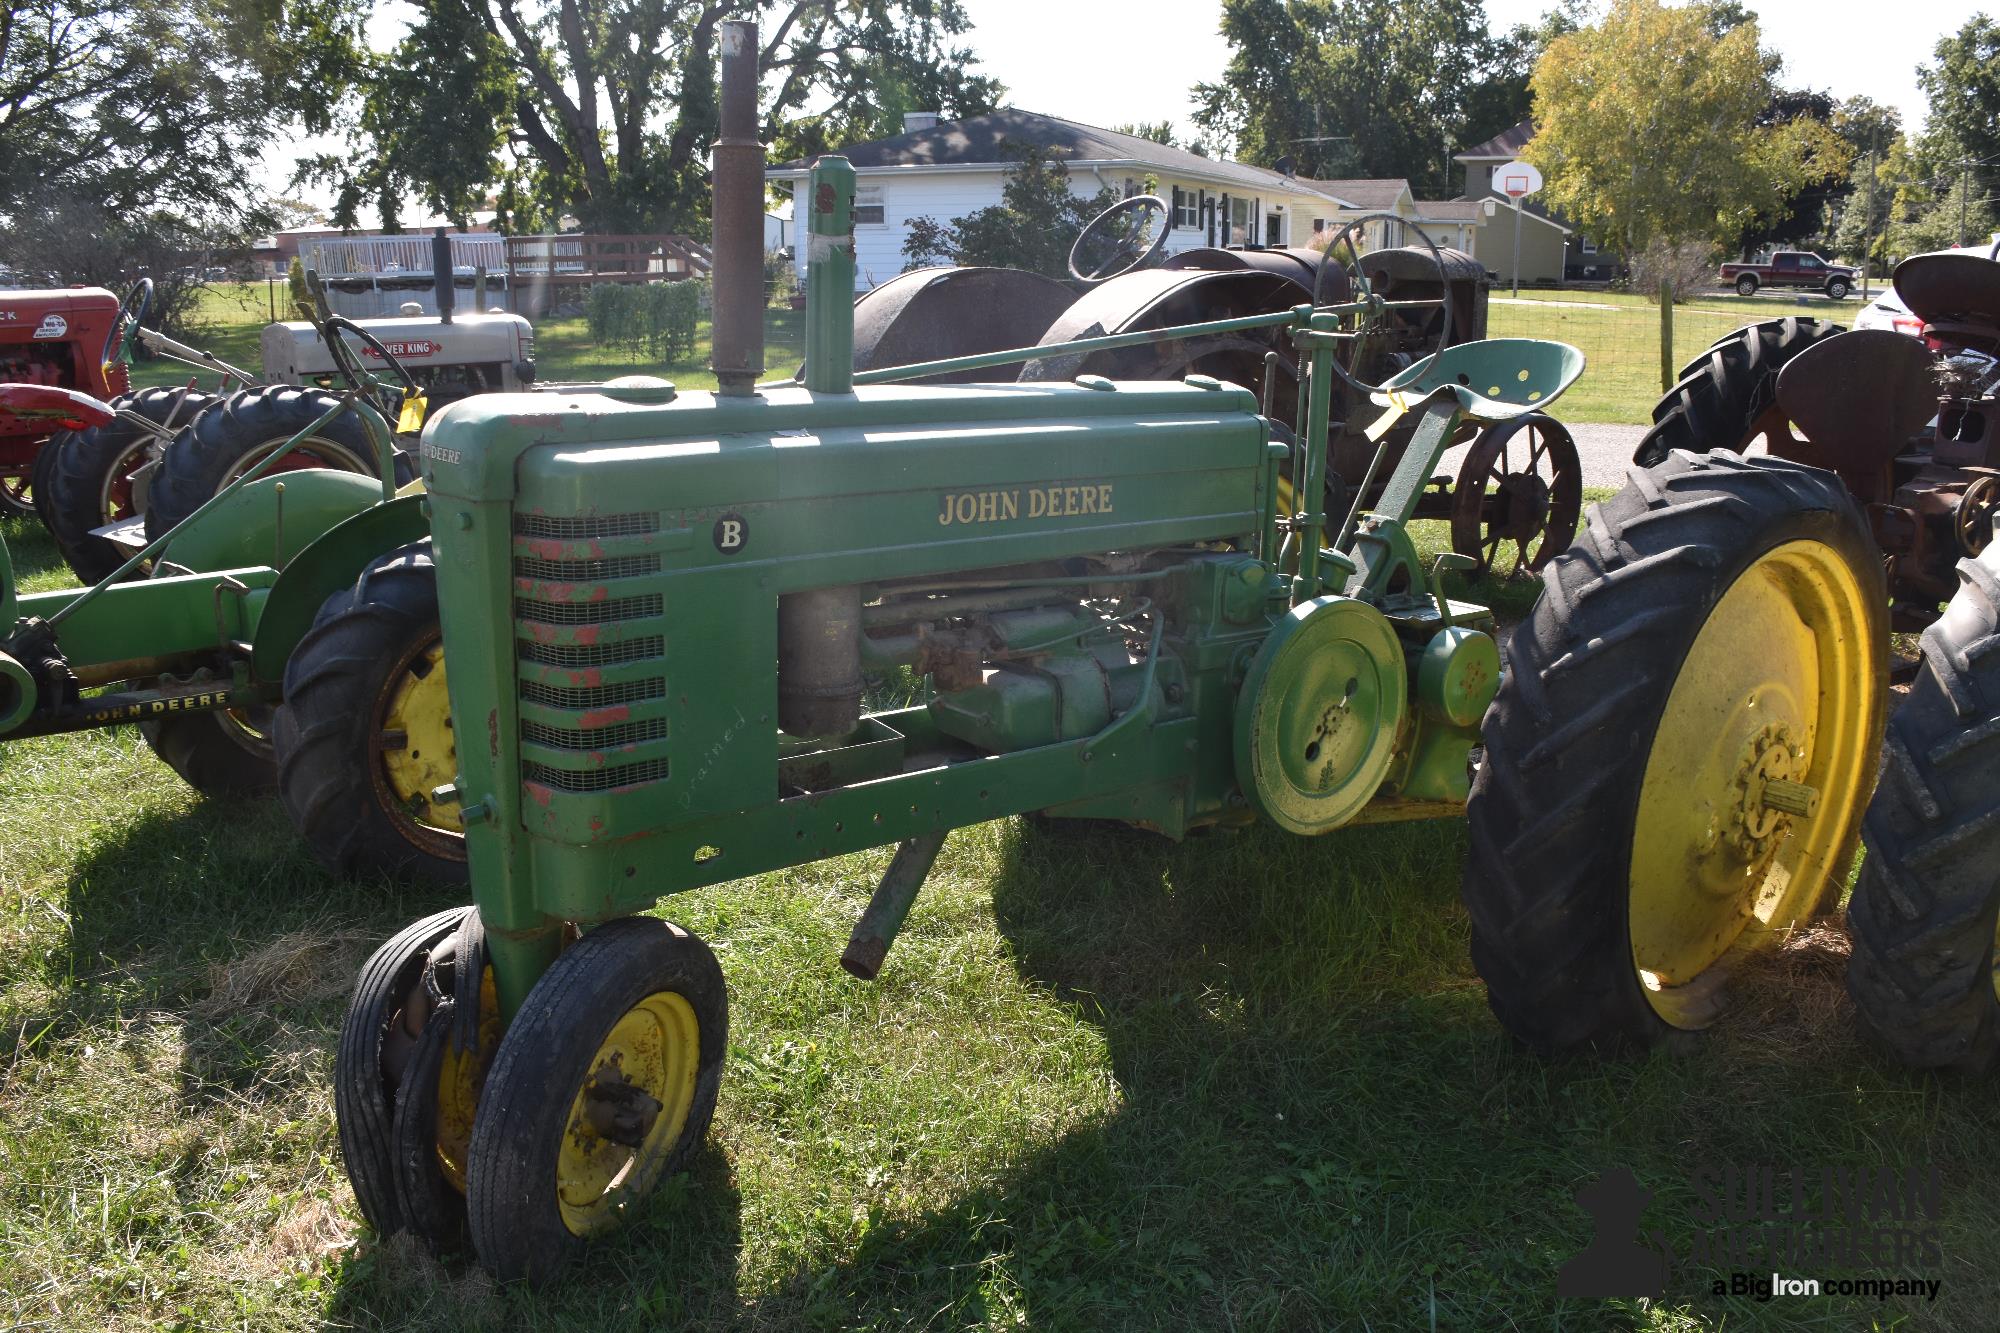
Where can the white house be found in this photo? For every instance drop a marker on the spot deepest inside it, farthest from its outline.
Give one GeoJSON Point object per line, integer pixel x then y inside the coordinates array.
{"type": "Point", "coordinates": [947, 169]}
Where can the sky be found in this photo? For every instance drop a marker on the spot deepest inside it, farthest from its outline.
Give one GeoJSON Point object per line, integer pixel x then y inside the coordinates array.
{"type": "Point", "coordinates": [1057, 56]}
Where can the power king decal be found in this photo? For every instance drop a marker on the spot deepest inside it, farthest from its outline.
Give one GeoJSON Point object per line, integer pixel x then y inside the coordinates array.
{"type": "Point", "coordinates": [414, 347]}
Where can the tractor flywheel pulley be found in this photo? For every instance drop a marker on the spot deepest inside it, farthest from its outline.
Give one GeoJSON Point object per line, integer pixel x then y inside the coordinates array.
{"type": "Point", "coordinates": [1316, 721]}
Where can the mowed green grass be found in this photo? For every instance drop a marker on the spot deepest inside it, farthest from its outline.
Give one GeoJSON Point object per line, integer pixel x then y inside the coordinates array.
{"type": "Point", "coordinates": [1619, 335]}
{"type": "Point", "coordinates": [1105, 1082]}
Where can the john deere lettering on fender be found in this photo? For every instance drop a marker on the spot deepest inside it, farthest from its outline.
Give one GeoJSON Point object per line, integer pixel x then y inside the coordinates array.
{"type": "Point", "coordinates": [1029, 502]}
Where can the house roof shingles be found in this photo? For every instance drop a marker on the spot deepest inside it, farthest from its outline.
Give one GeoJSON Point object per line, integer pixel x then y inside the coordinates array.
{"type": "Point", "coordinates": [1373, 194]}
{"type": "Point", "coordinates": [980, 140]}
{"type": "Point", "coordinates": [1506, 144]}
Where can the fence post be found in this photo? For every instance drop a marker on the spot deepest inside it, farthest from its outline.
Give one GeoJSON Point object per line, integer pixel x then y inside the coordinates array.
{"type": "Point", "coordinates": [1666, 334]}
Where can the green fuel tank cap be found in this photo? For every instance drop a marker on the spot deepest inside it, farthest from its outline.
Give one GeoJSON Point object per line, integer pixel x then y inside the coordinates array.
{"type": "Point", "coordinates": [637, 389]}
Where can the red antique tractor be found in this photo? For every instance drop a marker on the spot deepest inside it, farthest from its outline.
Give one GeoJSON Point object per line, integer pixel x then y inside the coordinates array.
{"type": "Point", "coordinates": [56, 338]}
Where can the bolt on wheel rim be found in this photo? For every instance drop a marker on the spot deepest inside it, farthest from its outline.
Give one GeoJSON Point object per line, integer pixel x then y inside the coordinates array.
{"type": "Point", "coordinates": [630, 1111]}
{"type": "Point", "coordinates": [1754, 781]}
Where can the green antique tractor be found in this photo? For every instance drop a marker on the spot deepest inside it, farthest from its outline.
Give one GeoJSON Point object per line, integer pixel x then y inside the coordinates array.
{"type": "Point", "coordinates": [661, 611]}
{"type": "Point", "coordinates": [194, 647]}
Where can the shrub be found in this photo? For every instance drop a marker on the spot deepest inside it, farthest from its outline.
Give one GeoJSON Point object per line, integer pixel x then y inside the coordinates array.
{"type": "Point", "coordinates": [656, 320]}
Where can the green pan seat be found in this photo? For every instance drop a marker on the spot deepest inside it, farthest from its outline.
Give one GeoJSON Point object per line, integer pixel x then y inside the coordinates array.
{"type": "Point", "coordinates": [1495, 380]}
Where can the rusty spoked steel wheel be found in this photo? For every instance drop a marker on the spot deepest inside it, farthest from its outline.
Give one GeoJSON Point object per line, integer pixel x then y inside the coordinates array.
{"type": "Point", "coordinates": [1521, 482]}
{"type": "Point", "coordinates": [16, 487]}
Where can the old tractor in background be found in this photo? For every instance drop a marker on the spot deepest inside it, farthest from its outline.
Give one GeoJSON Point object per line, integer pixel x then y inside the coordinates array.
{"type": "Point", "coordinates": [50, 338]}
{"type": "Point", "coordinates": [663, 608]}
{"type": "Point", "coordinates": [1899, 418]}
{"type": "Point", "coordinates": [1516, 493]}
{"type": "Point", "coordinates": [190, 633]}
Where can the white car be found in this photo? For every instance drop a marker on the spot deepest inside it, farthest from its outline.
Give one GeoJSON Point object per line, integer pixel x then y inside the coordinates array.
{"type": "Point", "coordinates": [1887, 310]}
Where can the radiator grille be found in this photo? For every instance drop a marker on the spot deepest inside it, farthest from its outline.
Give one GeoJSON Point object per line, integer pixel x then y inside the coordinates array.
{"type": "Point", "coordinates": [574, 528]}
{"type": "Point", "coordinates": [585, 571]}
{"type": "Point", "coordinates": [592, 696]}
{"type": "Point", "coordinates": [597, 779]}
{"type": "Point", "coordinates": [576, 656]}
{"type": "Point", "coordinates": [598, 738]}
{"type": "Point", "coordinates": [587, 613]}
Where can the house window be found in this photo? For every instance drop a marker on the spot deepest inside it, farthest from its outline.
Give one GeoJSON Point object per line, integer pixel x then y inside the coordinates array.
{"type": "Point", "coordinates": [1589, 246]}
{"type": "Point", "coordinates": [1239, 217]}
{"type": "Point", "coordinates": [1187, 208]}
{"type": "Point", "coordinates": [1319, 225]}
{"type": "Point", "coordinates": [869, 210]}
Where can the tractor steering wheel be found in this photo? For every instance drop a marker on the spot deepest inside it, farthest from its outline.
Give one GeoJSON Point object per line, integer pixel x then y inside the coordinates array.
{"type": "Point", "coordinates": [1115, 243]}
{"type": "Point", "coordinates": [351, 366]}
{"type": "Point", "coordinates": [131, 313]}
{"type": "Point", "coordinates": [1375, 323]}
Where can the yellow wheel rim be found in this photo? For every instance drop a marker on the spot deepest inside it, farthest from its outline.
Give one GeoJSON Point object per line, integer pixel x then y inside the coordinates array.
{"type": "Point", "coordinates": [1757, 775]}
{"type": "Point", "coordinates": [416, 749]}
{"type": "Point", "coordinates": [630, 1112]}
{"type": "Point", "coordinates": [459, 1084]}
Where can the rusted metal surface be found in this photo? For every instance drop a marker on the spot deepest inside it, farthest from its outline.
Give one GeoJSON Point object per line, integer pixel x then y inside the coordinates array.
{"type": "Point", "coordinates": [1162, 297]}
{"type": "Point", "coordinates": [1521, 482]}
{"type": "Point", "coordinates": [1951, 288]}
{"type": "Point", "coordinates": [739, 207]}
{"type": "Point", "coordinates": [1857, 399]}
{"type": "Point", "coordinates": [934, 313]}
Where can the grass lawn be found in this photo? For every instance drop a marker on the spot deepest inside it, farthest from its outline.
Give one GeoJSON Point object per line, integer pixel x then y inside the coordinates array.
{"type": "Point", "coordinates": [1619, 333]}
{"type": "Point", "coordinates": [1105, 1082]}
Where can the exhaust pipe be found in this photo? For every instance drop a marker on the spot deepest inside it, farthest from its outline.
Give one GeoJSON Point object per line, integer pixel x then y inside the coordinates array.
{"type": "Point", "coordinates": [442, 277]}
{"type": "Point", "coordinates": [738, 355]}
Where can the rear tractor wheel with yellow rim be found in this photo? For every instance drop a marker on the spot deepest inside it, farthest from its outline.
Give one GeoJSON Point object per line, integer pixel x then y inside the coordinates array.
{"type": "Point", "coordinates": [1679, 756]}
{"type": "Point", "coordinates": [365, 735]}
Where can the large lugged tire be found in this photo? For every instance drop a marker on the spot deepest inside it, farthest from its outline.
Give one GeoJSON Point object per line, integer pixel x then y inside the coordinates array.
{"type": "Point", "coordinates": [90, 481]}
{"type": "Point", "coordinates": [1726, 395]}
{"type": "Point", "coordinates": [38, 476]}
{"type": "Point", "coordinates": [1704, 667]}
{"type": "Point", "coordinates": [236, 434]}
{"type": "Point", "coordinates": [364, 734]}
{"type": "Point", "coordinates": [218, 754]}
{"type": "Point", "coordinates": [1924, 914]}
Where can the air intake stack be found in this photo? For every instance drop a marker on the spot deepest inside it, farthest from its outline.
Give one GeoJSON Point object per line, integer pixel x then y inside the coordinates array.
{"type": "Point", "coordinates": [739, 220]}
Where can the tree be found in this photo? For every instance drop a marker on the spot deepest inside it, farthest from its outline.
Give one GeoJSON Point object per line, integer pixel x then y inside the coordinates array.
{"type": "Point", "coordinates": [164, 105]}
{"type": "Point", "coordinates": [1346, 87]}
{"type": "Point", "coordinates": [1159, 131]}
{"type": "Point", "coordinates": [606, 109]}
{"type": "Point", "coordinates": [1501, 98]}
{"type": "Point", "coordinates": [1963, 87]}
{"type": "Point", "coordinates": [1032, 227]}
{"type": "Point", "coordinates": [1650, 128]}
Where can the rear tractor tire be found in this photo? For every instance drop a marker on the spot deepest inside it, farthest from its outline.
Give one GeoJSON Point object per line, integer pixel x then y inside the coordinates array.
{"type": "Point", "coordinates": [1924, 914]}
{"type": "Point", "coordinates": [1678, 758]}
{"type": "Point", "coordinates": [90, 480]}
{"type": "Point", "coordinates": [1728, 396]}
{"type": "Point", "coordinates": [365, 733]}
{"type": "Point", "coordinates": [238, 433]}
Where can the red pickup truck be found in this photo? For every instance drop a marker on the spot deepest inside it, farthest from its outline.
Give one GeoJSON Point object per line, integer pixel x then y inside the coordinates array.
{"type": "Point", "coordinates": [1793, 268]}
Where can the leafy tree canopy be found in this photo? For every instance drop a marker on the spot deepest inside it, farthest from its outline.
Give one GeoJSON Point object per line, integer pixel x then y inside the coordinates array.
{"type": "Point", "coordinates": [1651, 127]}
{"type": "Point", "coordinates": [606, 109]}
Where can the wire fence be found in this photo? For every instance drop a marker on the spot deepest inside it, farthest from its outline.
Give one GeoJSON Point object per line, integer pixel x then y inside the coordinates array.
{"type": "Point", "coordinates": [1619, 336]}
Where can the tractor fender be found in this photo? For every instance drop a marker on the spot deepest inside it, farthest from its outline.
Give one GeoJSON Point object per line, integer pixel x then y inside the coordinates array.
{"type": "Point", "coordinates": [271, 520]}
{"type": "Point", "coordinates": [1161, 298]}
{"type": "Point", "coordinates": [329, 564]}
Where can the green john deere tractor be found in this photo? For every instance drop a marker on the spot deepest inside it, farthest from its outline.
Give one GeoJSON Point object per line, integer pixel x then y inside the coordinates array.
{"type": "Point", "coordinates": [194, 648]}
{"type": "Point", "coordinates": [660, 611]}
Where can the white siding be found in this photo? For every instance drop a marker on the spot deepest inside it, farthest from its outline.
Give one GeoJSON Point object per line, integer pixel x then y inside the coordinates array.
{"type": "Point", "coordinates": [944, 195]}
